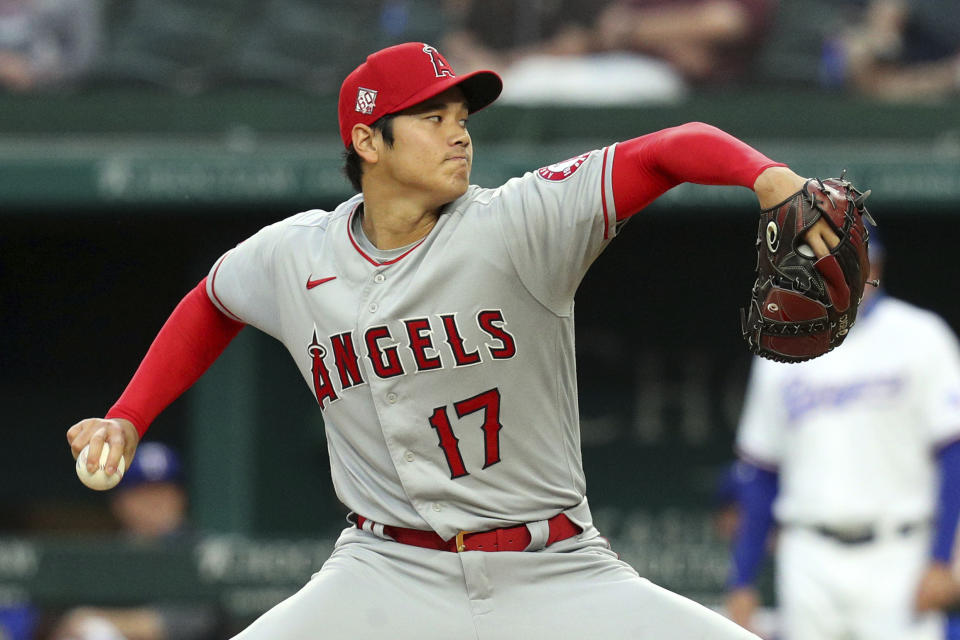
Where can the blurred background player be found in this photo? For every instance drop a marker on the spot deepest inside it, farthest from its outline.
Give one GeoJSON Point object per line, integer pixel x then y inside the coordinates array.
{"type": "Point", "coordinates": [151, 505]}
{"type": "Point", "coordinates": [858, 453]}
{"type": "Point", "coordinates": [151, 500]}
{"type": "Point", "coordinates": [899, 50]}
{"type": "Point", "coordinates": [47, 44]}
{"type": "Point", "coordinates": [953, 615]}
{"type": "Point", "coordinates": [18, 620]}
{"type": "Point", "coordinates": [725, 518]}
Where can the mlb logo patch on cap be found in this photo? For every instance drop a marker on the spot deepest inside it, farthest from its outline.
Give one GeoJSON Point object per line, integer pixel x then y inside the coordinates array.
{"type": "Point", "coordinates": [366, 101]}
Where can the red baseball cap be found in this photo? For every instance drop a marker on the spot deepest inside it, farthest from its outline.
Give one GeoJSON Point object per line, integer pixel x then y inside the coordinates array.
{"type": "Point", "coordinates": [401, 76]}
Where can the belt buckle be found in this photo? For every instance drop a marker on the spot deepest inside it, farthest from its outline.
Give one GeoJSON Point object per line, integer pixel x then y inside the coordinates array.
{"type": "Point", "coordinates": [461, 546]}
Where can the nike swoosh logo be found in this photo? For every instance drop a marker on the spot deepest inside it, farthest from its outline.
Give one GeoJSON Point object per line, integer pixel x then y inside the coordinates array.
{"type": "Point", "coordinates": [316, 283]}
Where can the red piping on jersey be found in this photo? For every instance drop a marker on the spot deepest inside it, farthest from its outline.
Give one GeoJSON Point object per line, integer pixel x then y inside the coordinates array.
{"type": "Point", "coordinates": [372, 261]}
{"type": "Point", "coordinates": [603, 195]}
{"type": "Point", "coordinates": [213, 289]}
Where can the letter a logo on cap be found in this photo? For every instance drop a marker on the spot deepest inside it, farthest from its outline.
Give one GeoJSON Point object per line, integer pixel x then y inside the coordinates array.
{"type": "Point", "coordinates": [366, 100]}
{"type": "Point", "coordinates": [440, 66]}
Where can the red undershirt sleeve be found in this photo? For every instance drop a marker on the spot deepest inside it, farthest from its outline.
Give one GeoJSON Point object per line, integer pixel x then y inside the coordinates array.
{"type": "Point", "coordinates": [193, 337]}
{"type": "Point", "coordinates": [644, 168]}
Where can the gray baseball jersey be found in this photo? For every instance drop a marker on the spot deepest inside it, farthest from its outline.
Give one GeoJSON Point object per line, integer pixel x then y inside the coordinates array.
{"type": "Point", "coordinates": [445, 370]}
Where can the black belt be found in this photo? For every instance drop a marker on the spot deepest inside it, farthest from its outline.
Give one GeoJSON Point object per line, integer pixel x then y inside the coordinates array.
{"type": "Point", "coordinates": [862, 535]}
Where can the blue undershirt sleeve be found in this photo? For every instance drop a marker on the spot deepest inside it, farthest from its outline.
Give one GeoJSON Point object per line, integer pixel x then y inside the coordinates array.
{"type": "Point", "coordinates": [948, 509]}
{"type": "Point", "coordinates": [757, 489]}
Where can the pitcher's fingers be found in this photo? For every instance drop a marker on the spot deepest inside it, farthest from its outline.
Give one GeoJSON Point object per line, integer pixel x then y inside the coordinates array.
{"type": "Point", "coordinates": [79, 435]}
{"type": "Point", "coordinates": [96, 447]}
{"type": "Point", "coordinates": [116, 441]}
{"type": "Point", "coordinates": [73, 434]}
{"type": "Point", "coordinates": [822, 238]}
{"type": "Point", "coordinates": [818, 245]}
{"type": "Point", "coordinates": [830, 236]}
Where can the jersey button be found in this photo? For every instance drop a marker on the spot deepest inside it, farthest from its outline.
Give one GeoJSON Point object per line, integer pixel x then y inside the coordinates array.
{"type": "Point", "coordinates": [373, 307]}
{"type": "Point", "coordinates": [408, 456]}
{"type": "Point", "coordinates": [379, 277]}
{"type": "Point", "coordinates": [391, 397]}
{"type": "Point", "coordinates": [437, 507]}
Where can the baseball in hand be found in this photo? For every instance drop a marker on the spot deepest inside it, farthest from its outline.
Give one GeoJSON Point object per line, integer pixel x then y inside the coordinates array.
{"type": "Point", "coordinates": [99, 480]}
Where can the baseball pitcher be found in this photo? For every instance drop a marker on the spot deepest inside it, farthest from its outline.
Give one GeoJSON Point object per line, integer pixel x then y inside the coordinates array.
{"type": "Point", "coordinates": [433, 323]}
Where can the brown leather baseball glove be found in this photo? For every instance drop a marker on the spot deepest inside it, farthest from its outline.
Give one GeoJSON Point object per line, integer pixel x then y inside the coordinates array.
{"type": "Point", "coordinates": [801, 307]}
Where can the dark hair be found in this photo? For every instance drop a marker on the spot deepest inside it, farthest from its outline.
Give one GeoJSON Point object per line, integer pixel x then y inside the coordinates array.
{"type": "Point", "coordinates": [353, 163]}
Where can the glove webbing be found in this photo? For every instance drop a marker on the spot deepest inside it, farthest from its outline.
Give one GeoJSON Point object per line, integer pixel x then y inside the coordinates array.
{"type": "Point", "coordinates": [779, 327]}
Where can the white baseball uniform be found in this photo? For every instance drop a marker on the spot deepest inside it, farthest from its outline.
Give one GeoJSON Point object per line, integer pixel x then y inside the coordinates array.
{"type": "Point", "coordinates": [853, 435]}
{"type": "Point", "coordinates": [445, 371]}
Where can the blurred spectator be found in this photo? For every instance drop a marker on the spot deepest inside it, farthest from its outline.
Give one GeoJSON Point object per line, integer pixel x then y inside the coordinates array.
{"type": "Point", "coordinates": [47, 43]}
{"type": "Point", "coordinates": [898, 50]}
{"type": "Point", "coordinates": [547, 51]}
{"type": "Point", "coordinates": [494, 34]}
{"type": "Point", "coordinates": [151, 502]}
{"type": "Point", "coordinates": [151, 505]}
{"type": "Point", "coordinates": [706, 41]}
{"type": "Point", "coordinates": [856, 456]}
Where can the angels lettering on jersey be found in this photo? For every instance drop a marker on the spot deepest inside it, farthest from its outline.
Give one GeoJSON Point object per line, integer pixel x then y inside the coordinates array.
{"type": "Point", "coordinates": [414, 345]}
